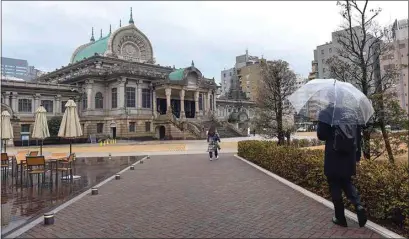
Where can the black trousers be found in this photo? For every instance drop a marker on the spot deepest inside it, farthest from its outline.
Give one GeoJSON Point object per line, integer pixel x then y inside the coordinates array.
{"type": "Point", "coordinates": [336, 186]}
{"type": "Point", "coordinates": [215, 153]}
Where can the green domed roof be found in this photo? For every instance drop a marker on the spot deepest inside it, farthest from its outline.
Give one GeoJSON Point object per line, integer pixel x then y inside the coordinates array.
{"type": "Point", "coordinates": [99, 46]}
{"type": "Point", "coordinates": [176, 75]}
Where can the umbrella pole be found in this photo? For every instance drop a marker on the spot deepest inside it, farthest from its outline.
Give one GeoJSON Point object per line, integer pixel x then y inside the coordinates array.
{"type": "Point", "coordinates": [70, 146]}
{"type": "Point", "coordinates": [5, 146]}
{"type": "Point", "coordinates": [41, 147]}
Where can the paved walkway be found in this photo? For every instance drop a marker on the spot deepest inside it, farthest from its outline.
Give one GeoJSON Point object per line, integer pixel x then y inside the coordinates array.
{"type": "Point", "coordinates": [189, 196]}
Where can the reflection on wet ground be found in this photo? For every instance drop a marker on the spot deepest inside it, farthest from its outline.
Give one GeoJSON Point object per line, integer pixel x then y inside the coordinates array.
{"type": "Point", "coordinates": [20, 204]}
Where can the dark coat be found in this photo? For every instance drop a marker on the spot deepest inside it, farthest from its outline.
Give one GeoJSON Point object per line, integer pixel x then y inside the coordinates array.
{"type": "Point", "coordinates": [336, 164]}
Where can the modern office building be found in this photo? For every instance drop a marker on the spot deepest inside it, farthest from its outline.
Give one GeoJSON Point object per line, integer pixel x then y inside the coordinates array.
{"type": "Point", "coordinates": [18, 68]}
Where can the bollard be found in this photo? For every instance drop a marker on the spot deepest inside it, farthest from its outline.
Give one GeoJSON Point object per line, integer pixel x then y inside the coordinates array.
{"type": "Point", "coordinates": [94, 191]}
{"type": "Point", "coordinates": [48, 218]}
{"type": "Point", "coordinates": [117, 177]}
{"type": "Point", "coordinates": [141, 162]}
{"type": "Point", "coordinates": [104, 143]}
{"type": "Point", "coordinates": [132, 167]}
{"type": "Point", "coordinates": [148, 157]}
{"type": "Point", "coordinates": [100, 143]}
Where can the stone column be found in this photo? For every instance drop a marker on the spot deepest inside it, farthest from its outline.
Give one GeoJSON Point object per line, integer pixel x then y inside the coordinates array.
{"type": "Point", "coordinates": [182, 104]}
{"type": "Point", "coordinates": [196, 104]}
{"type": "Point", "coordinates": [168, 92]}
{"type": "Point", "coordinates": [139, 95]}
{"type": "Point", "coordinates": [121, 93]}
{"type": "Point", "coordinates": [7, 99]}
{"type": "Point", "coordinates": [208, 102]}
{"type": "Point", "coordinates": [214, 102]}
{"type": "Point", "coordinates": [14, 102]}
{"type": "Point", "coordinates": [89, 94]}
{"type": "Point", "coordinates": [36, 101]}
{"type": "Point", "coordinates": [57, 108]}
{"type": "Point", "coordinates": [154, 110]}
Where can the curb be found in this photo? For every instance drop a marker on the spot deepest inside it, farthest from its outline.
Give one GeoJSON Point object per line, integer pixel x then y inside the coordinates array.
{"type": "Point", "coordinates": [352, 216]}
{"type": "Point", "coordinates": [37, 221]}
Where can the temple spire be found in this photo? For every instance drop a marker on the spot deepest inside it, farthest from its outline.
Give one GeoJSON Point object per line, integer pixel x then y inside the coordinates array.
{"type": "Point", "coordinates": [110, 30]}
{"type": "Point", "coordinates": [100, 35]}
{"type": "Point", "coordinates": [120, 23]}
{"type": "Point", "coordinates": [92, 36]}
{"type": "Point", "coordinates": [193, 64]}
{"type": "Point", "coordinates": [131, 18]}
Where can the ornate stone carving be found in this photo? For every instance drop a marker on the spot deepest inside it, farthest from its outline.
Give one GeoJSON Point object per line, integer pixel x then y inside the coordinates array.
{"type": "Point", "coordinates": [132, 42]}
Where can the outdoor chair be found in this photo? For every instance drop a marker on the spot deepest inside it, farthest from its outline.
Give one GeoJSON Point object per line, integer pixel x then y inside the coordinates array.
{"type": "Point", "coordinates": [36, 165]}
{"type": "Point", "coordinates": [65, 165]}
{"type": "Point", "coordinates": [33, 153]}
{"type": "Point", "coordinates": [5, 163]}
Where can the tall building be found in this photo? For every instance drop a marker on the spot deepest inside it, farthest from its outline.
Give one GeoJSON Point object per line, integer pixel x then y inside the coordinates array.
{"type": "Point", "coordinates": [18, 68]}
{"type": "Point", "coordinates": [230, 77]}
{"type": "Point", "coordinates": [398, 56]}
{"type": "Point", "coordinates": [249, 79]}
{"type": "Point", "coordinates": [14, 67]}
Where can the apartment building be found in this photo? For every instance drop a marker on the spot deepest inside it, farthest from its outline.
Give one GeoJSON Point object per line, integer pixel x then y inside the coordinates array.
{"type": "Point", "coordinates": [397, 56]}
{"type": "Point", "coordinates": [249, 79]}
{"type": "Point", "coordinates": [230, 77]}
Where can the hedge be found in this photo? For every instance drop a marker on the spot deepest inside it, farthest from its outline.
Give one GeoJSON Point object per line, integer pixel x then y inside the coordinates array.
{"type": "Point", "coordinates": [384, 187]}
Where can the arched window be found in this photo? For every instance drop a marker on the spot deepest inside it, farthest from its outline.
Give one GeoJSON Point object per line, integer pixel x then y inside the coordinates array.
{"type": "Point", "coordinates": [99, 101]}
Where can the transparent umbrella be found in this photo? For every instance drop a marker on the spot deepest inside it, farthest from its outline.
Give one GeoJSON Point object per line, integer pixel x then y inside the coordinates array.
{"type": "Point", "coordinates": [332, 102]}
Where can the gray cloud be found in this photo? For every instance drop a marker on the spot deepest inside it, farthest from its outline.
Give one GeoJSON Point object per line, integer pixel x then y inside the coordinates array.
{"type": "Point", "coordinates": [210, 33]}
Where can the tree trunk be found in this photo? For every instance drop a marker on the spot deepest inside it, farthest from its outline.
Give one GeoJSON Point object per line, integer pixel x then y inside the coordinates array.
{"type": "Point", "coordinates": [387, 142]}
{"type": "Point", "coordinates": [366, 137]}
{"type": "Point", "coordinates": [288, 136]}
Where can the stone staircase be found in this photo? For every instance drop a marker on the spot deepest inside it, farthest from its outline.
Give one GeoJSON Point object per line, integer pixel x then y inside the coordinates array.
{"type": "Point", "coordinates": [224, 131]}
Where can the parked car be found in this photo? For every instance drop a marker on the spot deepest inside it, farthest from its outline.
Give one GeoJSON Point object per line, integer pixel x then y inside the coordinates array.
{"type": "Point", "coordinates": [301, 130]}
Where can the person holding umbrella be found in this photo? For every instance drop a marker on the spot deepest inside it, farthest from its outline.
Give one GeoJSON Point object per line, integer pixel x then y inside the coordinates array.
{"type": "Point", "coordinates": [344, 109]}
{"type": "Point", "coordinates": [342, 152]}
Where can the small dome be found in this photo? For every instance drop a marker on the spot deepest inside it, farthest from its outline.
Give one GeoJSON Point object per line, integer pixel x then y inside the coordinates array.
{"type": "Point", "coordinates": [177, 75]}
{"type": "Point", "coordinates": [99, 46]}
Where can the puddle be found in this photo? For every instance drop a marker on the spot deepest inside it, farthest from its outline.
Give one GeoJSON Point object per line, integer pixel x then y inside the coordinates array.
{"type": "Point", "coordinates": [19, 204]}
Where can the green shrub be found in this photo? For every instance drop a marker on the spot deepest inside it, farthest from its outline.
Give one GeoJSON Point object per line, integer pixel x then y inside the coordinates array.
{"type": "Point", "coordinates": [384, 187]}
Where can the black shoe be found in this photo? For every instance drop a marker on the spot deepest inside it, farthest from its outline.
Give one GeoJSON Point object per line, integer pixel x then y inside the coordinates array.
{"type": "Point", "coordinates": [342, 223]}
{"type": "Point", "coordinates": [362, 218]}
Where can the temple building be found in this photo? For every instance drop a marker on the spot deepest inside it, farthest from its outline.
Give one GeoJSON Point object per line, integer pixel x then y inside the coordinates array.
{"type": "Point", "coordinates": [122, 93]}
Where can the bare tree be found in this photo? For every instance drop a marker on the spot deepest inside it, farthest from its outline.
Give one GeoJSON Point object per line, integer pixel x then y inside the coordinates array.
{"type": "Point", "coordinates": [361, 43]}
{"type": "Point", "coordinates": [278, 82]}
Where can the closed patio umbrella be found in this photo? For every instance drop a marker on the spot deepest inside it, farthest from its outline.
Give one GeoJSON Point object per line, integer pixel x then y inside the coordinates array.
{"type": "Point", "coordinates": [6, 128]}
{"type": "Point", "coordinates": [70, 124]}
{"type": "Point", "coordinates": [40, 130]}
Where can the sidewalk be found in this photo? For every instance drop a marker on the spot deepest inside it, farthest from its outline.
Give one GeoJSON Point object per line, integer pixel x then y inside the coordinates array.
{"type": "Point", "coordinates": [189, 196]}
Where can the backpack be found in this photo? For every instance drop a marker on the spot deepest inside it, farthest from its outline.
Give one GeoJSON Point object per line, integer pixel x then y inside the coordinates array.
{"type": "Point", "coordinates": [345, 138]}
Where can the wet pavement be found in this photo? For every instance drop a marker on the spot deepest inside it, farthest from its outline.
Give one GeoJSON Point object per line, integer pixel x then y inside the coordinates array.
{"type": "Point", "coordinates": [21, 204]}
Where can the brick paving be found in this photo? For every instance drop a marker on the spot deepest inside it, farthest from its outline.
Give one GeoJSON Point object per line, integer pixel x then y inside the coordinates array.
{"type": "Point", "coordinates": [188, 196]}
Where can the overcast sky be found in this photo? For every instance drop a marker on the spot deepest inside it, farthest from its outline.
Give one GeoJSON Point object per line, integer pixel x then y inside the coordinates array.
{"type": "Point", "coordinates": [210, 33]}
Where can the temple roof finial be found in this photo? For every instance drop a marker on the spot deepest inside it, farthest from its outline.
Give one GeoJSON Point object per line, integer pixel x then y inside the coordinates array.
{"type": "Point", "coordinates": [100, 35]}
{"type": "Point", "coordinates": [110, 30]}
{"type": "Point", "coordinates": [120, 23]}
{"type": "Point", "coordinates": [131, 18]}
{"type": "Point", "coordinates": [193, 64]}
{"type": "Point", "coordinates": [92, 36]}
